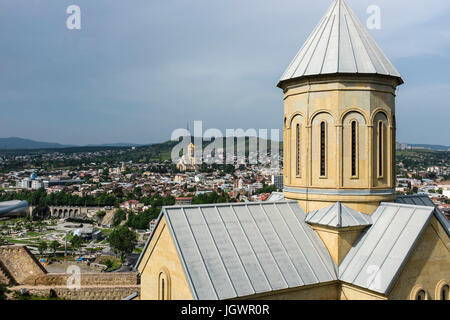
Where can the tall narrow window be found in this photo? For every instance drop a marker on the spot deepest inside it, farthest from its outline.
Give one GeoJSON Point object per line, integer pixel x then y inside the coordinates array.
{"type": "Point", "coordinates": [163, 294]}
{"type": "Point", "coordinates": [298, 149]}
{"type": "Point", "coordinates": [421, 295]}
{"type": "Point", "coordinates": [380, 148]}
{"type": "Point", "coordinates": [322, 149]}
{"type": "Point", "coordinates": [164, 286]}
{"type": "Point", "coordinates": [354, 151]}
{"type": "Point", "coordinates": [444, 292]}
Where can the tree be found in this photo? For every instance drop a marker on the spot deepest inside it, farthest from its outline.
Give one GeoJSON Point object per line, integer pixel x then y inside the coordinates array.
{"type": "Point", "coordinates": [3, 291]}
{"type": "Point", "coordinates": [42, 247]}
{"type": "Point", "coordinates": [119, 216]}
{"type": "Point", "coordinates": [123, 241]}
{"type": "Point", "coordinates": [76, 242]}
{"type": "Point", "coordinates": [54, 245]}
{"type": "Point", "coordinates": [100, 215]}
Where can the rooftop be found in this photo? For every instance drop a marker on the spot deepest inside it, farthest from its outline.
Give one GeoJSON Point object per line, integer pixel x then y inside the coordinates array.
{"type": "Point", "coordinates": [340, 44]}
{"type": "Point", "coordinates": [338, 216]}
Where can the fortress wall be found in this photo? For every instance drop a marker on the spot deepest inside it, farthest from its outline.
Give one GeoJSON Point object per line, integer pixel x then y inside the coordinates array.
{"type": "Point", "coordinates": [20, 263]}
{"type": "Point", "coordinates": [86, 279]}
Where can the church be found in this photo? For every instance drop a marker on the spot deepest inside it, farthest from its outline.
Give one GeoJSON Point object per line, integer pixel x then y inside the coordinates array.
{"type": "Point", "coordinates": [340, 232]}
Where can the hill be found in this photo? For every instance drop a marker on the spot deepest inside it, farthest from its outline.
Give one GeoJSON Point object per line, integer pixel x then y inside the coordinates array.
{"type": "Point", "coordinates": [20, 143]}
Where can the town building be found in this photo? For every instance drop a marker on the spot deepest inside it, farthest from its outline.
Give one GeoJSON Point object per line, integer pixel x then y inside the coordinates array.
{"type": "Point", "coordinates": [340, 232]}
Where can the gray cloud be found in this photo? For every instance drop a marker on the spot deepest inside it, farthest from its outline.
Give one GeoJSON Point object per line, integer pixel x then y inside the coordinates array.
{"type": "Point", "coordinates": [139, 69]}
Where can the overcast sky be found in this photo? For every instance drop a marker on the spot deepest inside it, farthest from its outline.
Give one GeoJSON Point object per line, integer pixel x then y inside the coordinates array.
{"type": "Point", "coordinates": [138, 69]}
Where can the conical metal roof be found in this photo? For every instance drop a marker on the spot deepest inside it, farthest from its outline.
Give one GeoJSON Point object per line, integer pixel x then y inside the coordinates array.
{"type": "Point", "coordinates": [340, 44]}
{"type": "Point", "coordinates": [338, 216]}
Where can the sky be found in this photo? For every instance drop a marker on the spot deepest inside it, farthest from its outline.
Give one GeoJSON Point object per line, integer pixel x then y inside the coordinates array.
{"type": "Point", "coordinates": [139, 69]}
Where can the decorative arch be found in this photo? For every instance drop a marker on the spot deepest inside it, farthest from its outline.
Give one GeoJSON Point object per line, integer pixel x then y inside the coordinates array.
{"type": "Point", "coordinates": [293, 116]}
{"type": "Point", "coordinates": [442, 290]}
{"type": "Point", "coordinates": [321, 111]}
{"type": "Point", "coordinates": [164, 284]}
{"type": "Point", "coordinates": [353, 110]}
{"type": "Point", "coordinates": [377, 111]}
{"type": "Point", "coordinates": [418, 293]}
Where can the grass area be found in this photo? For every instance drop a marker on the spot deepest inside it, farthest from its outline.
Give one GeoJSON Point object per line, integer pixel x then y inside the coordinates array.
{"type": "Point", "coordinates": [106, 231]}
{"type": "Point", "coordinates": [34, 234]}
{"type": "Point", "coordinates": [111, 262]}
{"type": "Point", "coordinates": [12, 221]}
{"type": "Point", "coordinates": [137, 250]}
{"type": "Point", "coordinates": [18, 296]}
{"type": "Point", "coordinates": [11, 240]}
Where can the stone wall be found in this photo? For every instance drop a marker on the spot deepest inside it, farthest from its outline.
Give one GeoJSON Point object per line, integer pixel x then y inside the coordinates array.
{"type": "Point", "coordinates": [5, 276]}
{"type": "Point", "coordinates": [86, 293]}
{"type": "Point", "coordinates": [20, 263]}
{"type": "Point", "coordinates": [86, 279]}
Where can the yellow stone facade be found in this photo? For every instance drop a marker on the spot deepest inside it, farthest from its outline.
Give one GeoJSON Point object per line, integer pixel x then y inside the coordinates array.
{"type": "Point", "coordinates": [161, 261]}
{"type": "Point", "coordinates": [428, 267]}
{"type": "Point", "coordinates": [338, 241]}
{"type": "Point", "coordinates": [360, 175]}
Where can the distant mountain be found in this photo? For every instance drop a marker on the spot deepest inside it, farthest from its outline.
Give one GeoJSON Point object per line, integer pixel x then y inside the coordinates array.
{"type": "Point", "coordinates": [119, 144]}
{"type": "Point", "coordinates": [14, 143]}
{"type": "Point", "coordinates": [20, 143]}
{"type": "Point", "coordinates": [403, 146]}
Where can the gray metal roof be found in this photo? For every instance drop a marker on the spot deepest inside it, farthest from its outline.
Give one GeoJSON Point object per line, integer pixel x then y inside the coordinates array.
{"type": "Point", "coordinates": [377, 257]}
{"type": "Point", "coordinates": [340, 44]}
{"type": "Point", "coordinates": [276, 196]}
{"type": "Point", "coordinates": [236, 250]}
{"type": "Point", "coordinates": [13, 206]}
{"type": "Point", "coordinates": [338, 216]}
{"type": "Point", "coordinates": [424, 200]}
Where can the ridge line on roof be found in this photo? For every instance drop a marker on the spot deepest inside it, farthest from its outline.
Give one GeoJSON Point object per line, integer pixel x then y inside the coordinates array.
{"type": "Point", "coordinates": [218, 251]}
{"type": "Point", "coordinates": [298, 245]}
{"type": "Point", "coordinates": [312, 243]}
{"type": "Point", "coordinates": [235, 250]}
{"type": "Point", "coordinates": [377, 244]}
{"type": "Point", "coordinates": [199, 252]}
{"type": "Point", "coordinates": [251, 247]}
{"type": "Point", "coordinates": [393, 245]}
{"type": "Point", "coordinates": [364, 239]}
{"type": "Point", "coordinates": [282, 245]}
{"type": "Point", "coordinates": [267, 246]}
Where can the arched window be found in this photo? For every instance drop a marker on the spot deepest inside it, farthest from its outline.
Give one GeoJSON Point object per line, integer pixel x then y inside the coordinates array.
{"type": "Point", "coordinates": [323, 149]}
{"type": "Point", "coordinates": [298, 149]}
{"type": "Point", "coordinates": [380, 149]}
{"type": "Point", "coordinates": [421, 295]}
{"type": "Point", "coordinates": [163, 286]}
{"type": "Point", "coordinates": [354, 145]}
{"type": "Point", "coordinates": [444, 292]}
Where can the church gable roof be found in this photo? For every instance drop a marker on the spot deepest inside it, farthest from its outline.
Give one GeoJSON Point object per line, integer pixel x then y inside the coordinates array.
{"type": "Point", "coordinates": [237, 250]}
{"type": "Point", "coordinates": [338, 215]}
{"type": "Point", "coordinates": [424, 200]}
{"type": "Point", "coordinates": [376, 259]}
{"type": "Point", "coordinates": [340, 44]}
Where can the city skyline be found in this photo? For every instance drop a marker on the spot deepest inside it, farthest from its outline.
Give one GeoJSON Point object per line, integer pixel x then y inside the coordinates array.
{"type": "Point", "coordinates": [137, 81]}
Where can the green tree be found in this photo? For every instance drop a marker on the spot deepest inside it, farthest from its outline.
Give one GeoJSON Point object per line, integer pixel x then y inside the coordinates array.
{"type": "Point", "coordinates": [76, 242]}
{"type": "Point", "coordinates": [54, 245]}
{"type": "Point", "coordinates": [42, 247]}
{"type": "Point", "coordinates": [123, 241]}
{"type": "Point", "coordinates": [100, 215]}
{"type": "Point", "coordinates": [119, 216]}
{"type": "Point", "coordinates": [3, 291]}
